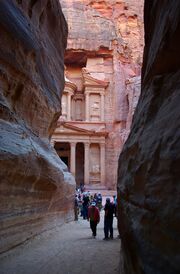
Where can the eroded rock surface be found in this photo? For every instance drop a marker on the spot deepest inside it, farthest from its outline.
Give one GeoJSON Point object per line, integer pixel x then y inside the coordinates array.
{"type": "Point", "coordinates": [149, 174]}
{"type": "Point", "coordinates": [36, 190]}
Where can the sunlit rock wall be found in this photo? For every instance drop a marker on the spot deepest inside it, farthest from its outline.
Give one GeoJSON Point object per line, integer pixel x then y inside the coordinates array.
{"type": "Point", "coordinates": [36, 190]}
{"type": "Point", "coordinates": [149, 173]}
{"type": "Point", "coordinates": [112, 30]}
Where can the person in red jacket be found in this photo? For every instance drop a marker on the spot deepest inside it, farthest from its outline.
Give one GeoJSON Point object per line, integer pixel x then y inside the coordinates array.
{"type": "Point", "coordinates": [94, 217]}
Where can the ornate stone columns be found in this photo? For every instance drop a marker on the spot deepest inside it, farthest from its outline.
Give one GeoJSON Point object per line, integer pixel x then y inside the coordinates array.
{"type": "Point", "coordinates": [87, 106]}
{"type": "Point", "coordinates": [73, 159]}
{"type": "Point", "coordinates": [86, 163]}
{"type": "Point", "coordinates": [69, 90]}
{"type": "Point", "coordinates": [102, 161]}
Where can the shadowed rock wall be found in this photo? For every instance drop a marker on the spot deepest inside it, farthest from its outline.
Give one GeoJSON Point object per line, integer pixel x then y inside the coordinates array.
{"type": "Point", "coordinates": [149, 174]}
{"type": "Point", "coordinates": [36, 190]}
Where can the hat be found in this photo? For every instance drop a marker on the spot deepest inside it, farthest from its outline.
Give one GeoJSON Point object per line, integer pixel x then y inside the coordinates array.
{"type": "Point", "coordinates": [93, 204]}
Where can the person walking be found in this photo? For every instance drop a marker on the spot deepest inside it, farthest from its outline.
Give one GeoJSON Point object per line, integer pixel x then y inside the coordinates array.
{"type": "Point", "coordinates": [115, 205]}
{"type": "Point", "coordinates": [76, 207]}
{"type": "Point", "coordinates": [85, 204]}
{"type": "Point", "coordinates": [99, 201]}
{"type": "Point", "coordinates": [108, 219]}
{"type": "Point", "coordinates": [93, 217]}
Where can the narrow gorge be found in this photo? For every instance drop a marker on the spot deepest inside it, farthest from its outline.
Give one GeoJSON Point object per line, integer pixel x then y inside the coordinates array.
{"type": "Point", "coordinates": [84, 100]}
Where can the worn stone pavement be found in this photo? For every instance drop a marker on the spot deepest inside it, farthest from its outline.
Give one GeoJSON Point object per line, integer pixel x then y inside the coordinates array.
{"type": "Point", "coordinates": [68, 249]}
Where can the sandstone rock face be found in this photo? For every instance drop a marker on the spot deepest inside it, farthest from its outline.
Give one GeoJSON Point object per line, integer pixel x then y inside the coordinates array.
{"type": "Point", "coordinates": [107, 38]}
{"type": "Point", "coordinates": [148, 178]}
{"type": "Point", "coordinates": [36, 190]}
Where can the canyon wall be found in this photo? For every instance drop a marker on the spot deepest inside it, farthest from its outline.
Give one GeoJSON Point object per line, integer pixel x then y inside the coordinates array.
{"type": "Point", "coordinates": [149, 174]}
{"type": "Point", "coordinates": [110, 33]}
{"type": "Point", "coordinates": [36, 189]}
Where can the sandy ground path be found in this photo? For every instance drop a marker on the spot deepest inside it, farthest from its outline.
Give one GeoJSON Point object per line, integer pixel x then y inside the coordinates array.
{"type": "Point", "coordinates": [69, 249]}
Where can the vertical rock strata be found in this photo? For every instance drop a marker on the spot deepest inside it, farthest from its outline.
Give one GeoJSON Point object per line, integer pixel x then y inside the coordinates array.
{"type": "Point", "coordinates": [107, 38]}
{"type": "Point", "coordinates": [149, 174]}
{"type": "Point", "coordinates": [35, 187]}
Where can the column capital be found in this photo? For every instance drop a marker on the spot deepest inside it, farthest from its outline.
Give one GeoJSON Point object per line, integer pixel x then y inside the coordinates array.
{"type": "Point", "coordinates": [87, 92]}
{"type": "Point", "coordinates": [70, 93]}
{"type": "Point", "coordinates": [72, 144]}
{"type": "Point", "coordinates": [86, 144]}
{"type": "Point", "coordinates": [102, 145]}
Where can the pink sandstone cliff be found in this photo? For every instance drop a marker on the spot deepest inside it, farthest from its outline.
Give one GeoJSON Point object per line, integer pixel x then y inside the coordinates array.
{"type": "Point", "coordinates": [36, 190]}
{"type": "Point", "coordinates": [149, 173]}
{"type": "Point", "coordinates": [112, 30]}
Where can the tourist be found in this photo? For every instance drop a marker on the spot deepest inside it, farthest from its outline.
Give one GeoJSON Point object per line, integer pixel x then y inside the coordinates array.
{"type": "Point", "coordinates": [76, 208]}
{"type": "Point", "coordinates": [108, 219]}
{"type": "Point", "coordinates": [82, 188]}
{"type": "Point", "coordinates": [115, 205]}
{"type": "Point", "coordinates": [85, 205]}
{"type": "Point", "coordinates": [80, 205]}
{"type": "Point", "coordinates": [95, 197]}
{"type": "Point", "coordinates": [99, 201]}
{"type": "Point", "coordinates": [91, 198]}
{"type": "Point", "coordinates": [93, 217]}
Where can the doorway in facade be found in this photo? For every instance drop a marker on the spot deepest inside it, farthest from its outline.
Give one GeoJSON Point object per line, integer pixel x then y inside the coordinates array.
{"type": "Point", "coordinates": [79, 164]}
{"type": "Point", "coordinates": [63, 150]}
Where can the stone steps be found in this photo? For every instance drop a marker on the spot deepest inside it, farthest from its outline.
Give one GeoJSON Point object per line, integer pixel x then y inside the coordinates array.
{"type": "Point", "coordinates": [100, 188]}
{"type": "Point", "coordinates": [95, 187]}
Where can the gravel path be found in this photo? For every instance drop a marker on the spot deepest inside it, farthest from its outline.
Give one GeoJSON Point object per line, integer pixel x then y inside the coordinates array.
{"type": "Point", "coordinates": [69, 249]}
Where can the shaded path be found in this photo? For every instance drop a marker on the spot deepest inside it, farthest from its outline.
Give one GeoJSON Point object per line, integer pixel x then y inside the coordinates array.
{"type": "Point", "coordinates": [69, 249]}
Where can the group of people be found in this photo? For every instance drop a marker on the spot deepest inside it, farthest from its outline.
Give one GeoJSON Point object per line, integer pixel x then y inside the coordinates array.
{"type": "Point", "coordinates": [83, 200]}
{"type": "Point", "coordinates": [89, 206]}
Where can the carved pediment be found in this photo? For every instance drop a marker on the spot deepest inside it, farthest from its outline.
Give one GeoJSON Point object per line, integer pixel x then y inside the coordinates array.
{"type": "Point", "coordinates": [68, 128]}
{"type": "Point", "coordinates": [69, 87]}
{"type": "Point", "coordinates": [91, 81]}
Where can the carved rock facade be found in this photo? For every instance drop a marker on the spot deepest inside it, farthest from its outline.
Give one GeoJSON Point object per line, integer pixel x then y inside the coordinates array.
{"type": "Point", "coordinates": [149, 173]}
{"type": "Point", "coordinates": [36, 190]}
{"type": "Point", "coordinates": [106, 40]}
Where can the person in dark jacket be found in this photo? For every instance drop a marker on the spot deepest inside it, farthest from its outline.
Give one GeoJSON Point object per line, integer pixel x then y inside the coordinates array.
{"type": "Point", "coordinates": [85, 205]}
{"type": "Point", "coordinates": [76, 208]}
{"type": "Point", "coordinates": [94, 217]}
{"type": "Point", "coordinates": [108, 219]}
